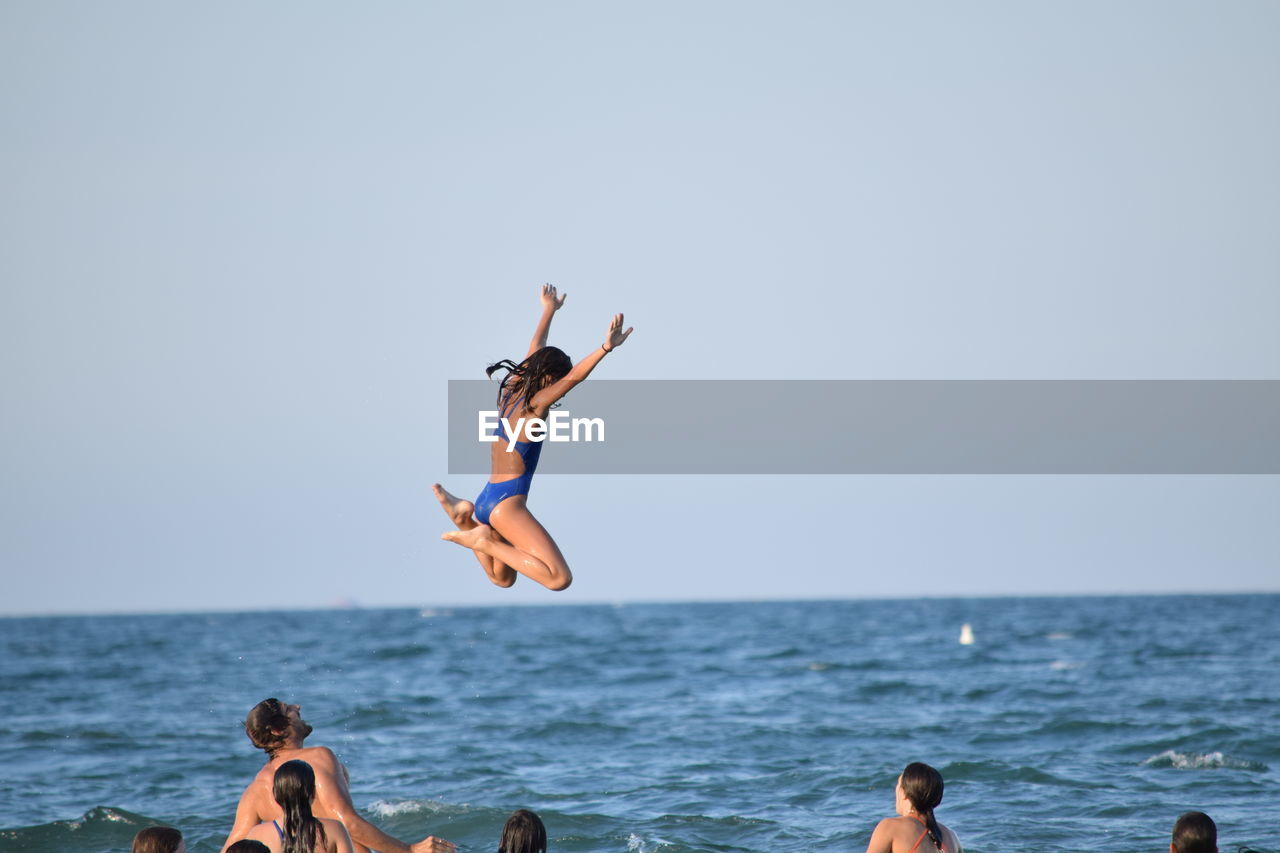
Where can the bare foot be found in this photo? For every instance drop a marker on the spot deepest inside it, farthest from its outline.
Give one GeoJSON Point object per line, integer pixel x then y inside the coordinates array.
{"type": "Point", "coordinates": [458, 509]}
{"type": "Point", "coordinates": [475, 538]}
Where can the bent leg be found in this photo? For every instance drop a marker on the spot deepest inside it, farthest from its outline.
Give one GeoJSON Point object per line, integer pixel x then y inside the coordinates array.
{"type": "Point", "coordinates": [532, 551]}
{"type": "Point", "coordinates": [459, 511]}
{"type": "Point", "coordinates": [527, 548]}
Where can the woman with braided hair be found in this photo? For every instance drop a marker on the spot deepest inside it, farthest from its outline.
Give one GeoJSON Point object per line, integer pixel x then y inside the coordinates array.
{"type": "Point", "coordinates": [294, 788]}
{"type": "Point", "coordinates": [915, 830]}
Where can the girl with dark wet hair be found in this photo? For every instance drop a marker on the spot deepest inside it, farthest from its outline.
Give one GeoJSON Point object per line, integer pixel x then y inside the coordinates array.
{"type": "Point", "coordinates": [498, 527]}
{"type": "Point", "coordinates": [248, 846]}
{"type": "Point", "coordinates": [523, 833]}
{"type": "Point", "coordinates": [294, 788]}
{"type": "Point", "coordinates": [915, 830]}
{"type": "Point", "coordinates": [159, 839]}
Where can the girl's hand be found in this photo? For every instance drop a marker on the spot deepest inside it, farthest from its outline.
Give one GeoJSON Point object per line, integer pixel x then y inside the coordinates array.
{"type": "Point", "coordinates": [549, 299]}
{"type": "Point", "coordinates": [615, 336]}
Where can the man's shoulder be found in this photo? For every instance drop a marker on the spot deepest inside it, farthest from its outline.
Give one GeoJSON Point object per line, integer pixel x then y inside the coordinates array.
{"type": "Point", "coordinates": [321, 758]}
{"type": "Point", "coordinates": [265, 773]}
{"type": "Point", "coordinates": [257, 794]}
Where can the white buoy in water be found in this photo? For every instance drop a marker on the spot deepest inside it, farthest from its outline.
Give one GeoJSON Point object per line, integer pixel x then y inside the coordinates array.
{"type": "Point", "coordinates": [966, 634]}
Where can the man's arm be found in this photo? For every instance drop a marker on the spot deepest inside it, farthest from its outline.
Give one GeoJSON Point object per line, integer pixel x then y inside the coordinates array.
{"type": "Point", "coordinates": [333, 796]}
{"type": "Point", "coordinates": [246, 819]}
{"type": "Point", "coordinates": [550, 305]}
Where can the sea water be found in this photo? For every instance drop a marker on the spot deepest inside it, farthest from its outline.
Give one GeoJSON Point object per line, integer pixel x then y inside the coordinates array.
{"type": "Point", "coordinates": [1069, 724]}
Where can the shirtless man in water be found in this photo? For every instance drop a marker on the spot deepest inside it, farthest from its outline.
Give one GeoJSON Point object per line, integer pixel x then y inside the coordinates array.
{"type": "Point", "coordinates": [279, 730]}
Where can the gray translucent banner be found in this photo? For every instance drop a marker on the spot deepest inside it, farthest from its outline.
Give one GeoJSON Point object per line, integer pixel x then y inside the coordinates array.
{"type": "Point", "coordinates": [895, 427]}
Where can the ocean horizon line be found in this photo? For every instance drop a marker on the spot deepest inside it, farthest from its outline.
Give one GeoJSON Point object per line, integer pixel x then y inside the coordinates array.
{"type": "Point", "coordinates": [428, 608]}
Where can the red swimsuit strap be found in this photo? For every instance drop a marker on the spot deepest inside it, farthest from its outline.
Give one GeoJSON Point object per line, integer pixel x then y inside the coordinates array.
{"type": "Point", "coordinates": [922, 835]}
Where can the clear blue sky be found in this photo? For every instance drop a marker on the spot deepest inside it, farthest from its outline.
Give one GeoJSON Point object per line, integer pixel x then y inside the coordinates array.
{"type": "Point", "coordinates": [243, 248]}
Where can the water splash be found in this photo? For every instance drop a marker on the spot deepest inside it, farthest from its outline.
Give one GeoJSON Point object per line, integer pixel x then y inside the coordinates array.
{"type": "Point", "coordinates": [1200, 761]}
{"type": "Point", "coordinates": [636, 844]}
{"type": "Point", "coordinates": [384, 808]}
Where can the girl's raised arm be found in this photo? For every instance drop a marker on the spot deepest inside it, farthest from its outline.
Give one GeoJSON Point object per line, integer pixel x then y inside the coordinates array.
{"type": "Point", "coordinates": [614, 338]}
{"type": "Point", "coordinates": [550, 305]}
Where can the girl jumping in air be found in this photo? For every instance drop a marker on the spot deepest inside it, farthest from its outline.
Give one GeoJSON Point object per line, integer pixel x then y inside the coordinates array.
{"type": "Point", "coordinates": [498, 527]}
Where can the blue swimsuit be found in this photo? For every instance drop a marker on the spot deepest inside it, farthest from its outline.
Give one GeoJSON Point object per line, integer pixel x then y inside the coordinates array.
{"type": "Point", "coordinates": [495, 493]}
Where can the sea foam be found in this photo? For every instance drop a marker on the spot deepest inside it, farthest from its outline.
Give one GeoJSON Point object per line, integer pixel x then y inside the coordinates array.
{"type": "Point", "coordinates": [384, 808]}
{"type": "Point", "coordinates": [1200, 761]}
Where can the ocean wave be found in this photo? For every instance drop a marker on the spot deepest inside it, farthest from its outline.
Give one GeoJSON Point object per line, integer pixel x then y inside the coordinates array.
{"type": "Point", "coordinates": [96, 737]}
{"type": "Point", "coordinates": [1078, 727]}
{"type": "Point", "coordinates": [1201, 761]}
{"type": "Point", "coordinates": [374, 717]}
{"type": "Point", "coordinates": [412, 650]}
{"type": "Point", "coordinates": [556, 730]}
{"type": "Point", "coordinates": [100, 827]}
{"type": "Point", "coordinates": [995, 771]}
{"type": "Point", "coordinates": [636, 844]}
{"type": "Point", "coordinates": [887, 687]}
{"type": "Point", "coordinates": [105, 814]}
{"type": "Point", "coordinates": [387, 808]}
{"type": "Point", "coordinates": [848, 666]}
{"type": "Point", "coordinates": [34, 676]}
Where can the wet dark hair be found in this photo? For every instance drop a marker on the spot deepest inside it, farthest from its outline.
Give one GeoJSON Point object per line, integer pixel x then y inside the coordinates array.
{"type": "Point", "coordinates": [267, 725]}
{"type": "Point", "coordinates": [1195, 832]}
{"type": "Point", "coordinates": [922, 786]}
{"type": "Point", "coordinates": [157, 839]}
{"type": "Point", "coordinates": [530, 376]}
{"type": "Point", "coordinates": [294, 789]}
{"type": "Point", "coordinates": [248, 845]}
{"type": "Point", "coordinates": [523, 833]}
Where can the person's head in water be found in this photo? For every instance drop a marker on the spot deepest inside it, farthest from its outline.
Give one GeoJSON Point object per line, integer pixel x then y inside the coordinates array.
{"type": "Point", "coordinates": [523, 833]}
{"type": "Point", "coordinates": [248, 845]}
{"type": "Point", "coordinates": [919, 790]}
{"type": "Point", "coordinates": [523, 380]}
{"type": "Point", "coordinates": [1194, 832]}
{"type": "Point", "coordinates": [159, 839]}
{"type": "Point", "coordinates": [271, 722]}
{"type": "Point", "coordinates": [294, 788]}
